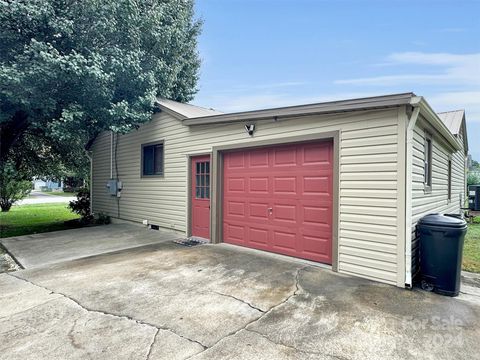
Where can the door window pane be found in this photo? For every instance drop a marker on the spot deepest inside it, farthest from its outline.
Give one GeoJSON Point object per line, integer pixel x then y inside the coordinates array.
{"type": "Point", "coordinates": [202, 180]}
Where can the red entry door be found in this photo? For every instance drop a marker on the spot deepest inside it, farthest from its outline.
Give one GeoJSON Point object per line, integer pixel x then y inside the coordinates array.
{"type": "Point", "coordinates": [200, 194]}
{"type": "Point", "coordinates": [280, 199]}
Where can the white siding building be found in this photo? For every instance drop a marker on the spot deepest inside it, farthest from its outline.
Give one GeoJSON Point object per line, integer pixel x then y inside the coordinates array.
{"type": "Point", "coordinates": [342, 183]}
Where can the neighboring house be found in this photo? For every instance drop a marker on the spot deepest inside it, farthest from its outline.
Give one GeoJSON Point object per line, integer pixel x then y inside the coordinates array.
{"type": "Point", "coordinates": [39, 184]}
{"type": "Point", "coordinates": [341, 183]}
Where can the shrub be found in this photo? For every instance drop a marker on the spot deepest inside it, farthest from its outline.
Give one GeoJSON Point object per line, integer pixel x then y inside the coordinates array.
{"type": "Point", "coordinates": [81, 206]}
{"type": "Point", "coordinates": [12, 191]}
{"type": "Point", "coordinates": [12, 188]}
{"type": "Point", "coordinates": [102, 219]}
{"type": "Point", "coordinates": [473, 179]}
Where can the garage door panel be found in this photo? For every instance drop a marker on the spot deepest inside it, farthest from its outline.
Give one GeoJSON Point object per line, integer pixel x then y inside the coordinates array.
{"type": "Point", "coordinates": [235, 209]}
{"type": "Point", "coordinates": [259, 159]}
{"type": "Point", "coordinates": [284, 214]}
{"type": "Point", "coordinates": [285, 185]}
{"type": "Point", "coordinates": [234, 234]}
{"type": "Point", "coordinates": [287, 203]}
{"type": "Point", "coordinates": [316, 215]}
{"type": "Point", "coordinates": [317, 247]}
{"type": "Point", "coordinates": [317, 185]}
{"type": "Point", "coordinates": [258, 236]}
{"type": "Point", "coordinates": [259, 185]}
{"type": "Point", "coordinates": [312, 155]}
{"type": "Point", "coordinates": [284, 240]}
{"type": "Point", "coordinates": [258, 210]}
{"type": "Point", "coordinates": [235, 161]}
{"type": "Point", "coordinates": [236, 185]}
{"type": "Point", "coordinates": [284, 157]}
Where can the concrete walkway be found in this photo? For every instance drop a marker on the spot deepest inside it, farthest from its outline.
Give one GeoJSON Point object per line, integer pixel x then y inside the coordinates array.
{"type": "Point", "coordinates": [166, 301]}
{"type": "Point", "coordinates": [49, 248]}
{"type": "Point", "coordinates": [38, 197]}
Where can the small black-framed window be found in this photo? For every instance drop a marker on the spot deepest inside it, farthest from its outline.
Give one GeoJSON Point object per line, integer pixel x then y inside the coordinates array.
{"type": "Point", "coordinates": [449, 179]}
{"type": "Point", "coordinates": [152, 159]}
{"type": "Point", "coordinates": [428, 163]}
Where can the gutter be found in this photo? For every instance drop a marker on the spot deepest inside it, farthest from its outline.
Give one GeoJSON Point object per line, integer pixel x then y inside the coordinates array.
{"type": "Point", "coordinates": [331, 107]}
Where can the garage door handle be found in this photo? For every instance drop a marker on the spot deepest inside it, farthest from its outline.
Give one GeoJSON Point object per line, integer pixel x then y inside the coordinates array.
{"type": "Point", "coordinates": [270, 209]}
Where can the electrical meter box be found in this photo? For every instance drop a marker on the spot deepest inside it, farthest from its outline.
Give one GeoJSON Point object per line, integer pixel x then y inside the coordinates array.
{"type": "Point", "coordinates": [112, 187]}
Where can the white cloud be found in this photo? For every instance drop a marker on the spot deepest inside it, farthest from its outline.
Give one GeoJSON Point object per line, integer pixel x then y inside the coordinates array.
{"type": "Point", "coordinates": [453, 69]}
{"type": "Point", "coordinates": [468, 100]}
{"type": "Point", "coordinates": [449, 81]}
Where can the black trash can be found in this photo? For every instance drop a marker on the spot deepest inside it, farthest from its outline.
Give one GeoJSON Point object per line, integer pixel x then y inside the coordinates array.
{"type": "Point", "coordinates": [441, 248]}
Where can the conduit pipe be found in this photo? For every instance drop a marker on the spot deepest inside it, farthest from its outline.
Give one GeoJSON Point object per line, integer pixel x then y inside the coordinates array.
{"type": "Point", "coordinates": [111, 154]}
{"type": "Point", "coordinates": [90, 185]}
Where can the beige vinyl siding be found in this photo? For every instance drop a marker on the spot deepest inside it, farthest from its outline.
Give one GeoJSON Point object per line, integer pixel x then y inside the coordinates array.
{"type": "Point", "coordinates": [368, 191]}
{"type": "Point", "coordinates": [436, 201]}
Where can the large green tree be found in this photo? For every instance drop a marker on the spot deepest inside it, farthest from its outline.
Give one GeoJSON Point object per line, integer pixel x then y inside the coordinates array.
{"type": "Point", "coordinates": [70, 69]}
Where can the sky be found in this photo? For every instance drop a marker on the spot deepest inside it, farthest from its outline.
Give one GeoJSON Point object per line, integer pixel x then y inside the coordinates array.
{"type": "Point", "coordinates": [269, 53]}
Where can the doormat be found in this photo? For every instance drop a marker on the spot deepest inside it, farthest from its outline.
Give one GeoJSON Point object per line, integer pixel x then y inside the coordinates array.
{"type": "Point", "coordinates": [191, 241]}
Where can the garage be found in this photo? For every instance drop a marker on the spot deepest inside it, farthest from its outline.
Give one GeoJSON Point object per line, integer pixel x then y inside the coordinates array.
{"type": "Point", "coordinates": [280, 199]}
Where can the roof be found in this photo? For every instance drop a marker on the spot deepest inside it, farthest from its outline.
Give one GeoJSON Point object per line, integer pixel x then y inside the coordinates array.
{"type": "Point", "coordinates": [453, 120]}
{"type": "Point", "coordinates": [376, 102]}
{"type": "Point", "coordinates": [185, 111]}
{"type": "Point", "coordinates": [195, 115]}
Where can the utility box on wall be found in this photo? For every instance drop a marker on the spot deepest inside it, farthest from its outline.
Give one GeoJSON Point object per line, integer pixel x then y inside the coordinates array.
{"type": "Point", "coordinates": [112, 187]}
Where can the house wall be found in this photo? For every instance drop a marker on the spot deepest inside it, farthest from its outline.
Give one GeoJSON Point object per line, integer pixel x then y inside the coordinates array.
{"type": "Point", "coordinates": [371, 187]}
{"type": "Point", "coordinates": [437, 200]}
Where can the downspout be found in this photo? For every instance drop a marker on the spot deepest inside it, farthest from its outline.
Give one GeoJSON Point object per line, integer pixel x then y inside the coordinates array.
{"type": "Point", "coordinates": [90, 158]}
{"type": "Point", "coordinates": [408, 190]}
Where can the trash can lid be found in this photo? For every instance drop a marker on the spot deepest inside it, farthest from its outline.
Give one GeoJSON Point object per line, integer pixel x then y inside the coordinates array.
{"type": "Point", "coordinates": [442, 220]}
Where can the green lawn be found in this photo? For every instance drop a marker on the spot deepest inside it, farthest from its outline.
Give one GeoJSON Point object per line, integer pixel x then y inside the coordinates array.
{"type": "Point", "coordinates": [31, 219]}
{"type": "Point", "coordinates": [471, 249]}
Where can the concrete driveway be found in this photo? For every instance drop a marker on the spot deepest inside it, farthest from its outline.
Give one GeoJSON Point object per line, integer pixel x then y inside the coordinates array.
{"type": "Point", "coordinates": [166, 301]}
{"type": "Point", "coordinates": [38, 197]}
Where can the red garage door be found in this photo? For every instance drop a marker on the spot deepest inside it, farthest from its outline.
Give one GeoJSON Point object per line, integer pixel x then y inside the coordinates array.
{"type": "Point", "coordinates": [279, 199]}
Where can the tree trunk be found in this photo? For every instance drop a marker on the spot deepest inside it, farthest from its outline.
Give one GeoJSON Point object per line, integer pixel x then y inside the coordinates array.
{"type": "Point", "coordinates": [11, 132]}
{"type": "Point", "coordinates": [5, 205]}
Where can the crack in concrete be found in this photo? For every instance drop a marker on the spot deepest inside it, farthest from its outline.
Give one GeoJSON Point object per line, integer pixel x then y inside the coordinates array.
{"type": "Point", "coordinates": [245, 327]}
{"type": "Point", "coordinates": [125, 317]}
{"type": "Point", "coordinates": [205, 348]}
{"type": "Point", "coordinates": [295, 348]}
{"type": "Point", "coordinates": [151, 345]}
{"type": "Point", "coordinates": [238, 299]}
{"type": "Point", "coordinates": [277, 343]}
